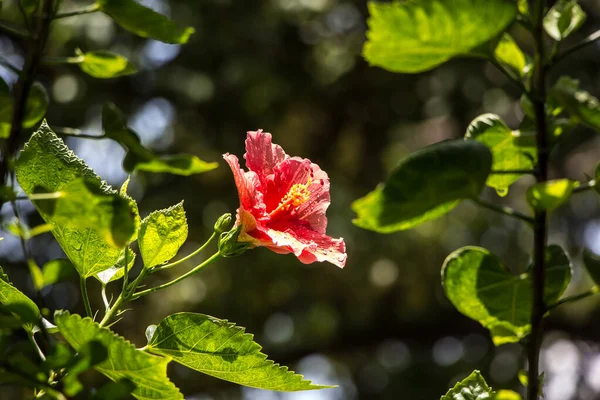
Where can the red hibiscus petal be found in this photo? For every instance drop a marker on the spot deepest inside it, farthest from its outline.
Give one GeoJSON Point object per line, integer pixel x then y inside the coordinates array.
{"type": "Point", "coordinates": [262, 155]}
{"type": "Point", "coordinates": [245, 183]}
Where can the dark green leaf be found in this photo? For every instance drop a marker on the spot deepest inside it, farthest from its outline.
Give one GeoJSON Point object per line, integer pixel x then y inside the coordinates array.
{"type": "Point", "coordinates": [37, 103]}
{"type": "Point", "coordinates": [582, 106]}
{"type": "Point", "coordinates": [11, 296]}
{"type": "Point", "coordinates": [483, 289]}
{"type": "Point", "coordinates": [161, 235]}
{"type": "Point", "coordinates": [510, 149]}
{"type": "Point", "coordinates": [564, 18]}
{"type": "Point", "coordinates": [144, 21]}
{"type": "Point", "coordinates": [105, 64]}
{"type": "Point", "coordinates": [591, 261]}
{"type": "Point", "coordinates": [57, 270]}
{"type": "Point", "coordinates": [219, 348]}
{"type": "Point", "coordinates": [119, 390]}
{"type": "Point", "coordinates": [146, 371]}
{"type": "Point", "coordinates": [472, 387]}
{"type": "Point", "coordinates": [47, 165]}
{"type": "Point", "coordinates": [550, 195]}
{"type": "Point", "coordinates": [425, 185]}
{"type": "Point", "coordinates": [90, 354]}
{"type": "Point", "coordinates": [413, 37]}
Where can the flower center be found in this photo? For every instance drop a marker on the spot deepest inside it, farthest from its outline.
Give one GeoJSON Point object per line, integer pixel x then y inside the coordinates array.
{"type": "Point", "coordinates": [296, 196]}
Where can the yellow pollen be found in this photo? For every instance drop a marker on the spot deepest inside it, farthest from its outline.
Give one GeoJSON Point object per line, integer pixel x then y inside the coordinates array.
{"type": "Point", "coordinates": [296, 196]}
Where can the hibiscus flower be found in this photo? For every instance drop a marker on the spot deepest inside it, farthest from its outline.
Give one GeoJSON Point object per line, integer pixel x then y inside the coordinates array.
{"type": "Point", "coordinates": [283, 201]}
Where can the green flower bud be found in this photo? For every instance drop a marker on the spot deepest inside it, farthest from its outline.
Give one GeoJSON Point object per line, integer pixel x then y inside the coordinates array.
{"type": "Point", "coordinates": [229, 245]}
{"type": "Point", "coordinates": [223, 223]}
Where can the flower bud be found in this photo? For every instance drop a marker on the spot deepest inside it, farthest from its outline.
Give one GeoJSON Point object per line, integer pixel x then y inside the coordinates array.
{"type": "Point", "coordinates": [229, 245]}
{"type": "Point", "coordinates": [223, 223]}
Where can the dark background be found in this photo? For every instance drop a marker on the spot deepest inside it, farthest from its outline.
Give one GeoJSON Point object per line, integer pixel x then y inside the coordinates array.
{"type": "Point", "coordinates": [381, 328]}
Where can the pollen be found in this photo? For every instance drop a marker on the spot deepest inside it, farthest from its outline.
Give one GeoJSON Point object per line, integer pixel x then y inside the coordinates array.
{"type": "Point", "coordinates": [295, 197]}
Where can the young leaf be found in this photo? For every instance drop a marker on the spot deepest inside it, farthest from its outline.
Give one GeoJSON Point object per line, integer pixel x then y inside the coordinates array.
{"type": "Point", "coordinates": [510, 149]}
{"type": "Point", "coordinates": [591, 261]}
{"type": "Point", "coordinates": [105, 64]}
{"type": "Point", "coordinates": [146, 371]}
{"type": "Point", "coordinates": [138, 157]}
{"type": "Point", "coordinates": [144, 21]}
{"type": "Point", "coordinates": [57, 270]}
{"type": "Point", "coordinates": [509, 54]}
{"type": "Point", "coordinates": [221, 349]}
{"type": "Point", "coordinates": [582, 106]}
{"type": "Point", "coordinates": [161, 235]}
{"type": "Point", "coordinates": [564, 18]}
{"type": "Point", "coordinates": [483, 289]}
{"type": "Point", "coordinates": [547, 196]}
{"type": "Point", "coordinates": [47, 165]}
{"type": "Point", "coordinates": [10, 296]}
{"type": "Point", "coordinates": [425, 185]}
{"type": "Point", "coordinates": [473, 387]}
{"type": "Point", "coordinates": [412, 37]}
{"type": "Point", "coordinates": [507, 395]}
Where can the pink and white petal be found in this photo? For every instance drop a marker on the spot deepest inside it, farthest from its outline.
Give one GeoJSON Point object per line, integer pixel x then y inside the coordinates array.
{"type": "Point", "coordinates": [261, 154]}
{"type": "Point", "coordinates": [246, 183]}
{"type": "Point", "coordinates": [313, 211]}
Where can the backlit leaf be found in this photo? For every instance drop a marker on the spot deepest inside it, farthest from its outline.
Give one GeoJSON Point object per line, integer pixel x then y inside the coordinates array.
{"type": "Point", "coordinates": [510, 149]}
{"type": "Point", "coordinates": [509, 54]}
{"type": "Point", "coordinates": [472, 387]}
{"type": "Point", "coordinates": [57, 270]}
{"type": "Point", "coordinates": [412, 37]}
{"type": "Point", "coordinates": [161, 235]}
{"type": "Point", "coordinates": [564, 18]}
{"type": "Point", "coordinates": [425, 185]}
{"type": "Point", "coordinates": [105, 64]}
{"type": "Point", "coordinates": [221, 349]}
{"type": "Point", "coordinates": [482, 288]}
{"type": "Point", "coordinates": [118, 270]}
{"type": "Point", "coordinates": [580, 104]}
{"type": "Point", "coordinates": [547, 196]}
{"type": "Point", "coordinates": [146, 371]}
{"type": "Point", "coordinates": [144, 21]}
{"type": "Point", "coordinates": [37, 103]}
{"type": "Point", "coordinates": [591, 261]}
{"type": "Point", "coordinates": [11, 296]}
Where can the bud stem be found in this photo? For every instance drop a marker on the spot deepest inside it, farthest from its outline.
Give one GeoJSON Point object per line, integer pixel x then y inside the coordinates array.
{"type": "Point", "coordinates": [174, 263]}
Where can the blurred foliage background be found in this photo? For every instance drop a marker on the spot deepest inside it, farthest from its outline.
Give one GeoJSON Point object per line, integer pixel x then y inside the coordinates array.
{"type": "Point", "coordinates": [382, 327]}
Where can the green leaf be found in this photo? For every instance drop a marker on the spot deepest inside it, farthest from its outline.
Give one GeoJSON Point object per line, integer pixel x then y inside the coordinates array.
{"type": "Point", "coordinates": [138, 157]}
{"type": "Point", "coordinates": [144, 21]}
{"type": "Point", "coordinates": [89, 355]}
{"type": "Point", "coordinates": [510, 149]}
{"type": "Point", "coordinates": [57, 270]}
{"type": "Point", "coordinates": [161, 235]}
{"type": "Point", "coordinates": [105, 64]}
{"type": "Point", "coordinates": [11, 296]}
{"type": "Point", "coordinates": [425, 185]}
{"type": "Point", "coordinates": [37, 103]}
{"type": "Point", "coordinates": [582, 106]}
{"type": "Point", "coordinates": [119, 390]}
{"type": "Point", "coordinates": [118, 270]}
{"type": "Point", "coordinates": [219, 348]}
{"type": "Point", "coordinates": [472, 387]}
{"type": "Point", "coordinates": [507, 395]}
{"type": "Point", "coordinates": [509, 54]}
{"type": "Point", "coordinates": [547, 196]}
{"type": "Point", "coordinates": [483, 289]}
{"type": "Point", "coordinates": [146, 371]}
{"type": "Point", "coordinates": [523, 6]}
{"type": "Point", "coordinates": [564, 18]}
{"type": "Point", "coordinates": [591, 261]}
{"type": "Point", "coordinates": [412, 37]}
{"type": "Point", "coordinates": [47, 165]}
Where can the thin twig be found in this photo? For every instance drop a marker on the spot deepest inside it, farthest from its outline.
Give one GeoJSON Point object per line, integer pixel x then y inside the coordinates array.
{"type": "Point", "coordinates": [171, 265]}
{"type": "Point", "coordinates": [74, 132]}
{"type": "Point", "coordinates": [585, 187]}
{"type": "Point", "coordinates": [13, 31]}
{"type": "Point", "coordinates": [87, 10]}
{"type": "Point", "coordinates": [585, 42]}
{"type": "Point", "coordinates": [513, 172]}
{"type": "Point", "coordinates": [9, 65]}
{"type": "Point", "coordinates": [570, 299]}
{"type": "Point", "coordinates": [511, 212]}
{"type": "Point", "coordinates": [511, 78]}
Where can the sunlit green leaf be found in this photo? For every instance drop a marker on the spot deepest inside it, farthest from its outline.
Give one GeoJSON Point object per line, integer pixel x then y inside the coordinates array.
{"type": "Point", "coordinates": [57, 270]}
{"type": "Point", "coordinates": [523, 6]}
{"type": "Point", "coordinates": [144, 21]}
{"type": "Point", "coordinates": [37, 103]}
{"type": "Point", "coordinates": [118, 270]}
{"type": "Point", "coordinates": [510, 149]}
{"type": "Point", "coordinates": [581, 105]}
{"type": "Point", "coordinates": [161, 235]}
{"type": "Point", "coordinates": [483, 289]}
{"type": "Point", "coordinates": [425, 185]}
{"type": "Point", "coordinates": [11, 296]}
{"type": "Point", "coordinates": [591, 261]}
{"type": "Point", "coordinates": [564, 18]}
{"type": "Point", "coordinates": [146, 371]}
{"type": "Point", "coordinates": [221, 349]}
{"type": "Point", "coordinates": [105, 64]}
{"type": "Point", "coordinates": [413, 37]}
{"type": "Point", "coordinates": [507, 395]}
{"type": "Point", "coordinates": [509, 54]}
{"type": "Point", "coordinates": [47, 165]}
{"type": "Point", "coordinates": [472, 387]}
{"type": "Point", "coordinates": [547, 196]}
{"type": "Point", "coordinates": [139, 158]}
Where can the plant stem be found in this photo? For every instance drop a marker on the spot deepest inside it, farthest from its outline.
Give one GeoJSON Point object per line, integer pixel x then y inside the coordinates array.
{"type": "Point", "coordinates": [513, 171]}
{"type": "Point", "coordinates": [540, 218]}
{"type": "Point", "coordinates": [585, 187]}
{"type": "Point", "coordinates": [62, 60]}
{"type": "Point", "coordinates": [8, 65]}
{"type": "Point", "coordinates": [575, 297]}
{"type": "Point", "coordinates": [31, 337]}
{"type": "Point", "coordinates": [196, 269]}
{"type": "Point", "coordinates": [170, 265]}
{"type": "Point", "coordinates": [585, 42]}
{"type": "Point", "coordinates": [511, 78]}
{"type": "Point", "coordinates": [13, 31]}
{"type": "Point", "coordinates": [84, 296]}
{"type": "Point", "coordinates": [36, 46]}
{"type": "Point", "coordinates": [73, 132]}
{"type": "Point", "coordinates": [511, 212]}
{"type": "Point", "coordinates": [87, 10]}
